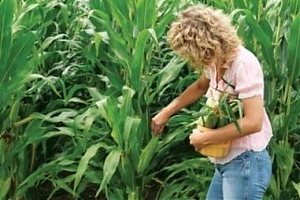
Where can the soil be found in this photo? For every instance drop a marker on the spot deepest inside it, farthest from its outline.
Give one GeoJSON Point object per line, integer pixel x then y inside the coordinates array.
{"type": "Point", "coordinates": [44, 191]}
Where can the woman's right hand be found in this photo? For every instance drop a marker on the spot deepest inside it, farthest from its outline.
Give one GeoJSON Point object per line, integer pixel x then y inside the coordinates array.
{"type": "Point", "coordinates": [158, 122]}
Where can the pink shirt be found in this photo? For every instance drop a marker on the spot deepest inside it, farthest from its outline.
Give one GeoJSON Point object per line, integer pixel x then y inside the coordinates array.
{"type": "Point", "coordinates": [246, 75]}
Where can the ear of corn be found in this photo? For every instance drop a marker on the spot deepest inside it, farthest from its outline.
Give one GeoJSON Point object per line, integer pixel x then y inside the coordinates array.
{"type": "Point", "coordinates": [211, 120]}
{"type": "Point", "coordinates": [226, 111]}
{"type": "Point", "coordinates": [208, 118]}
{"type": "Point", "coordinates": [222, 121]}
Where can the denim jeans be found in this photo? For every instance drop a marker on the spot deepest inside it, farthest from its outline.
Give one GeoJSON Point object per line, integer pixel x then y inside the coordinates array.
{"type": "Point", "coordinates": [246, 177]}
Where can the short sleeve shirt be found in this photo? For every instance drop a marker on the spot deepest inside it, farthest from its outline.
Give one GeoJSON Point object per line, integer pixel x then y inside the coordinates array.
{"type": "Point", "coordinates": [246, 79]}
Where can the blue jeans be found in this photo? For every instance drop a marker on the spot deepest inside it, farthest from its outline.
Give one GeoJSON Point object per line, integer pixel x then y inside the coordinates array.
{"type": "Point", "coordinates": [246, 177]}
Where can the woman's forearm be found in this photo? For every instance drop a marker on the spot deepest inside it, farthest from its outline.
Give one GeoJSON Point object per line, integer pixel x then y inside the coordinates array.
{"type": "Point", "coordinates": [229, 132]}
{"type": "Point", "coordinates": [189, 96]}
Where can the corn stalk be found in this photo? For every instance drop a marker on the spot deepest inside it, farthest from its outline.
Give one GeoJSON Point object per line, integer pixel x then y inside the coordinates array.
{"type": "Point", "coordinates": [126, 39]}
{"type": "Point", "coordinates": [274, 36]}
{"type": "Point", "coordinates": [16, 47]}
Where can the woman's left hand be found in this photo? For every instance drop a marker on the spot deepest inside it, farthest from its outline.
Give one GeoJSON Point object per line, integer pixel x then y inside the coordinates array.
{"type": "Point", "coordinates": [196, 139]}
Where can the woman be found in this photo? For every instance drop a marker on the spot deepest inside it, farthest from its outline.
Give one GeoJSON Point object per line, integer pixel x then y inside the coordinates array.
{"type": "Point", "coordinates": [206, 38]}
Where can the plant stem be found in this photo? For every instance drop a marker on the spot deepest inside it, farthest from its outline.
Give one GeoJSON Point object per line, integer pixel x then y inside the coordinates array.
{"type": "Point", "coordinates": [23, 121]}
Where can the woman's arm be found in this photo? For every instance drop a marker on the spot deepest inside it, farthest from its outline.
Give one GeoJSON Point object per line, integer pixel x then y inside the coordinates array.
{"type": "Point", "coordinates": [250, 123]}
{"type": "Point", "coordinates": [190, 95]}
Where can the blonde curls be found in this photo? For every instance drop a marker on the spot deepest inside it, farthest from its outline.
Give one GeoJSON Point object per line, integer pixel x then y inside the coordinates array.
{"type": "Point", "coordinates": [203, 36]}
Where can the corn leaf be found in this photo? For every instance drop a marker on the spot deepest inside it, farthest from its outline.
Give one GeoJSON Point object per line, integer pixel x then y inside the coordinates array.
{"type": "Point", "coordinates": [146, 14]}
{"type": "Point", "coordinates": [115, 194]}
{"type": "Point", "coordinates": [138, 59]}
{"type": "Point", "coordinates": [287, 157]}
{"type": "Point", "coordinates": [109, 110]}
{"type": "Point", "coordinates": [264, 39]}
{"type": "Point", "coordinates": [166, 18]}
{"type": "Point", "coordinates": [297, 187]}
{"type": "Point", "coordinates": [120, 14]}
{"type": "Point", "coordinates": [274, 187]}
{"type": "Point", "coordinates": [110, 165]}
{"type": "Point", "coordinates": [49, 40]}
{"type": "Point", "coordinates": [170, 72]}
{"type": "Point", "coordinates": [127, 172]}
{"type": "Point", "coordinates": [63, 185]}
{"type": "Point", "coordinates": [84, 161]}
{"type": "Point", "coordinates": [6, 19]}
{"type": "Point", "coordinates": [293, 61]}
{"type": "Point", "coordinates": [16, 63]}
{"type": "Point", "coordinates": [4, 187]}
{"type": "Point", "coordinates": [17, 68]}
{"type": "Point", "coordinates": [117, 43]}
{"type": "Point", "coordinates": [95, 94]}
{"type": "Point", "coordinates": [294, 6]}
{"type": "Point", "coordinates": [132, 138]}
{"type": "Point", "coordinates": [114, 76]}
{"type": "Point", "coordinates": [147, 154]}
{"type": "Point", "coordinates": [126, 106]}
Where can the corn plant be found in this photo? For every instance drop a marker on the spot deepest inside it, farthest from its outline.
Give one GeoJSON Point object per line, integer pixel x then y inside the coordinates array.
{"type": "Point", "coordinates": [186, 179]}
{"type": "Point", "coordinates": [126, 61]}
{"type": "Point", "coordinates": [271, 30]}
{"type": "Point", "coordinates": [16, 61]}
{"type": "Point", "coordinates": [24, 137]}
{"type": "Point", "coordinates": [120, 112]}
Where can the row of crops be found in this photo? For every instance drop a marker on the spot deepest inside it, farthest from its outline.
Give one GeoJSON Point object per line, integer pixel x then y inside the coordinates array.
{"type": "Point", "coordinates": [81, 79]}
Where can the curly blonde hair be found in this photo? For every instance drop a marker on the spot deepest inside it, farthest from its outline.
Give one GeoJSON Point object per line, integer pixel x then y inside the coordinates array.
{"type": "Point", "coordinates": [203, 35]}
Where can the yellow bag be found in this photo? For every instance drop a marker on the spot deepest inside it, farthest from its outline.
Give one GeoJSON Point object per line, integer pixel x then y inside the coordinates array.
{"type": "Point", "coordinates": [218, 150]}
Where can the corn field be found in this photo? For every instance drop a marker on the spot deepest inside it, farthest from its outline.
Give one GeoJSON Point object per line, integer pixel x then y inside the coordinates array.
{"type": "Point", "coordinates": [81, 79]}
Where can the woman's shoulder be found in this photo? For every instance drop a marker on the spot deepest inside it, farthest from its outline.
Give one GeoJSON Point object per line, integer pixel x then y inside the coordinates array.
{"type": "Point", "coordinates": [245, 56]}
{"type": "Point", "coordinates": [245, 66]}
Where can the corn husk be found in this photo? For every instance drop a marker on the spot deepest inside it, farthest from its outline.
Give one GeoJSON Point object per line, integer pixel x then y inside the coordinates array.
{"type": "Point", "coordinates": [217, 115]}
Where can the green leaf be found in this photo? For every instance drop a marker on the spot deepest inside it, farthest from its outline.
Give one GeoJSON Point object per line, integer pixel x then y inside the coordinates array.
{"type": "Point", "coordinates": [95, 93]}
{"type": "Point", "coordinates": [293, 61]}
{"type": "Point", "coordinates": [114, 76]}
{"type": "Point", "coordinates": [126, 106]}
{"type": "Point", "coordinates": [63, 115]}
{"type": "Point", "coordinates": [166, 18]}
{"type": "Point", "coordinates": [49, 40]}
{"type": "Point", "coordinates": [294, 6]}
{"type": "Point", "coordinates": [17, 68]}
{"type": "Point", "coordinates": [127, 172]}
{"type": "Point", "coordinates": [4, 187]}
{"type": "Point", "coordinates": [63, 185]}
{"type": "Point", "coordinates": [17, 58]}
{"type": "Point", "coordinates": [117, 43]}
{"type": "Point", "coordinates": [120, 13]}
{"type": "Point", "coordinates": [110, 111]}
{"type": "Point", "coordinates": [146, 14]}
{"type": "Point", "coordinates": [147, 154]}
{"type": "Point", "coordinates": [132, 139]}
{"type": "Point", "coordinates": [297, 187]}
{"type": "Point", "coordinates": [287, 156]}
{"type": "Point", "coordinates": [170, 72]}
{"type": "Point", "coordinates": [6, 19]}
{"type": "Point", "coordinates": [263, 38]}
{"type": "Point", "coordinates": [110, 165]}
{"type": "Point", "coordinates": [274, 187]}
{"type": "Point", "coordinates": [138, 59]}
{"type": "Point", "coordinates": [84, 161]}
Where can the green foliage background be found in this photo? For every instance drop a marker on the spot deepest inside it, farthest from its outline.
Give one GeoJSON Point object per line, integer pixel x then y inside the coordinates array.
{"type": "Point", "coordinates": [81, 79]}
